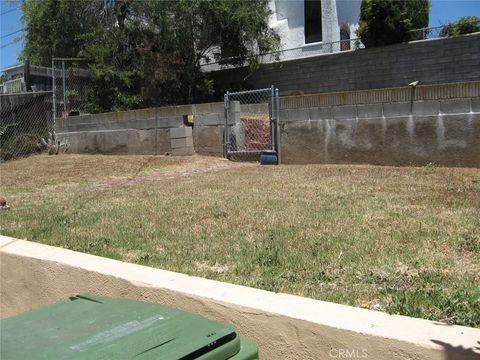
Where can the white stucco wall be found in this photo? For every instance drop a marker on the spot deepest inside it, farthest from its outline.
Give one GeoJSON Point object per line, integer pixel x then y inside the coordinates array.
{"type": "Point", "coordinates": [288, 20]}
{"type": "Point", "coordinates": [330, 27]}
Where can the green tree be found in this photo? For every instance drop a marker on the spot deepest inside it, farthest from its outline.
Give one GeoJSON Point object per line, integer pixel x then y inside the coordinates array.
{"type": "Point", "coordinates": [464, 25]}
{"type": "Point", "coordinates": [181, 35]}
{"type": "Point", "coordinates": [112, 52]}
{"type": "Point", "coordinates": [56, 28]}
{"type": "Point", "coordinates": [384, 22]}
{"type": "Point", "coordinates": [144, 53]}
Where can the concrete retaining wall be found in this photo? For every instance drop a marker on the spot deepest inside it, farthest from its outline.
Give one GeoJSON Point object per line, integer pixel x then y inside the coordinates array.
{"type": "Point", "coordinates": [146, 131]}
{"type": "Point", "coordinates": [429, 61]}
{"type": "Point", "coordinates": [445, 132]}
{"type": "Point", "coordinates": [381, 126]}
{"type": "Point", "coordinates": [208, 129]}
{"type": "Point", "coordinates": [284, 326]}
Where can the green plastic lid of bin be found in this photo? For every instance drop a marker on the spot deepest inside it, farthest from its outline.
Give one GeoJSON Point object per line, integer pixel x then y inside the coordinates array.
{"type": "Point", "coordinates": [94, 327]}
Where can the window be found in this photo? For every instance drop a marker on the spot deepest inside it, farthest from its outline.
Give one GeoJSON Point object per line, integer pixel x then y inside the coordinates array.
{"type": "Point", "coordinates": [313, 21]}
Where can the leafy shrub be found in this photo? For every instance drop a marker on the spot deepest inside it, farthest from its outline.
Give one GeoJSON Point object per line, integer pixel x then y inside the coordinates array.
{"type": "Point", "coordinates": [465, 25]}
{"type": "Point", "coordinates": [20, 146]}
{"type": "Point", "coordinates": [384, 22]}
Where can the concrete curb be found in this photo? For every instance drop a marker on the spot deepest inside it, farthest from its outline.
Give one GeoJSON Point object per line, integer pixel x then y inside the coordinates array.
{"type": "Point", "coordinates": [285, 326]}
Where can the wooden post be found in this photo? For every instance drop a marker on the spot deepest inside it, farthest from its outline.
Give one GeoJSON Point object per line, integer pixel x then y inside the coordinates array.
{"type": "Point", "coordinates": [26, 75]}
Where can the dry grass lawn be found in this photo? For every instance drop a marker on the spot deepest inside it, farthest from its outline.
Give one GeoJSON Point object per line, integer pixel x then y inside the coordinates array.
{"type": "Point", "coordinates": [405, 238]}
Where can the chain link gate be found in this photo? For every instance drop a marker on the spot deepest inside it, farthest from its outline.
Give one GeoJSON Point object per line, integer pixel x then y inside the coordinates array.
{"type": "Point", "coordinates": [251, 124]}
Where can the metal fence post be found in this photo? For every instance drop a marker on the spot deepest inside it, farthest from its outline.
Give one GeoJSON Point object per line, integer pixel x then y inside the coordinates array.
{"type": "Point", "coordinates": [277, 128]}
{"type": "Point", "coordinates": [272, 117]}
{"type": "Point", "coordinates": [64, 86]}
{"type": "Point", "coordinates": [54, 100]}
{"type": "Point", "coordinates": [225, 130]}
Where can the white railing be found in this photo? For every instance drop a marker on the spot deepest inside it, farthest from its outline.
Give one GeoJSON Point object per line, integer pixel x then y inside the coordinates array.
{"type": "Point", "coordinates": [13, 86]}
{"type": "Point", "coordinates": [445, 30]}
{"type": "Point", "coordinates": [297, 53]}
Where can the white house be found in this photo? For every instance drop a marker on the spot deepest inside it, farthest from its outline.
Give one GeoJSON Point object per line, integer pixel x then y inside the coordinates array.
{"type": "Point", "coordinates": [310, 27]}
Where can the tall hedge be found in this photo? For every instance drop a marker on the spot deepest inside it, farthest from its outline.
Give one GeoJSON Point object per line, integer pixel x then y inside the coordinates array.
{"type": "Point", "coordinates": [384, 22]}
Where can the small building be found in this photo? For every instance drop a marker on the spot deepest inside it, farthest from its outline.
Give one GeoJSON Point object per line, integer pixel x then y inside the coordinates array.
{"type": "Point", "coordinates": [24, 77]}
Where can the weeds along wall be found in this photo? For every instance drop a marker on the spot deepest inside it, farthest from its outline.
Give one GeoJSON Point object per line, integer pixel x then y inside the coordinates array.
{"type": "Point", "coordinates": [397, 126]}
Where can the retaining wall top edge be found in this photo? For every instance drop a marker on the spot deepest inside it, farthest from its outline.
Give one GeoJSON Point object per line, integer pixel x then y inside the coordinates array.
{"type": "Point", "coordinates": [157, 108]}
{"type": "Point", "coordinates": [465, 90]}
{"type": "Point", "coordinates": [472, 82]}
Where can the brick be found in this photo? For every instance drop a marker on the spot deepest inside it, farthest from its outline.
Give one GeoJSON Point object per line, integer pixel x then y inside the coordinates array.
{"type": "Point", "coordinates": [455, 106]}
{"type": "Point", "coordinates": [184, 151]}
{"type": "Point", "coordinates": [182, 142]}
{"type": "Point", "coordinates": [423, 108]}
{"type": "Point", "coordinates": [166, 111]}
{"type": "Point", "coordinates": [297, 115]}
{"type": "Point", "coordinates": [320, 113]}
{"type": "Point", "coordinates": [369, 111]}
{"type": "Point", "coordinates": [180, 132]}
{"type": "Point", "coordinates": [184, 110]}
{"type": "Point", "coordinates": [475, 105]}
{"type": "Point", "coordinates": [209, 119]}
{"type": "Point", "coordinates": [396, 109]}
{"type": "Point", "coordinates": [344, 112]}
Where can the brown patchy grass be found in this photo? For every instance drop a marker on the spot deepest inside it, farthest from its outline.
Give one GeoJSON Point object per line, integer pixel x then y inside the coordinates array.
{"type": "Point", "coordinates": [405, 238]}
{"type": "Point", "coordinates": [67, 170]}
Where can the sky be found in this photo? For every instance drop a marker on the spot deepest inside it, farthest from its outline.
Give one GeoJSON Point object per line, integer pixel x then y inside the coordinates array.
{"type": "Point", "coordinates": [442, 11]}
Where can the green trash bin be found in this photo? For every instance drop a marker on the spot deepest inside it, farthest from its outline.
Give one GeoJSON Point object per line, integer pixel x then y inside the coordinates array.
{"type": "Point", "coordinates": [95, 327]}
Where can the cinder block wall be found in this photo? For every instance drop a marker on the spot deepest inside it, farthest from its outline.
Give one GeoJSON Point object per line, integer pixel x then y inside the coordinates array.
{"type": "Point", "coordinates": [208, 129]}
{"type": "Point", "coordinates": [379, 126]}
{"type": "Point", "coordinates": [444, 132]}
{"type": "Point", "coordinates": [429, 61]}
{"type": "Point", "coordinates": [146, 131]}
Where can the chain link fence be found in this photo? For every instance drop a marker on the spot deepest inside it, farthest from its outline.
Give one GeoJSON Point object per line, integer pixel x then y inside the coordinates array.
{"type": "Point", "coordinates": [311, 50]}
{"type": "Point", "coordinates": [26, 124]}
{"type": "Point", "coordinates": [446, 30]}
{"type": "Point", "coordinates": [250, 123]}
{"type": "Point", "coordinates": [296, 53]}
{"type": "Point", "coordinates": [70, 87]}
{"type": "Point", "coordinates": [27, 119]}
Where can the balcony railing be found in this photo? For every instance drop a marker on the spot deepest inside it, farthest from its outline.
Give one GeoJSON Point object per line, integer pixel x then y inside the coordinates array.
{"type": "Point", "coordinates": [297, 53]}
{"type": "Point", "coordinates": [13, 86]}
{"type": "Point", "coordinates": [445, 30]}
